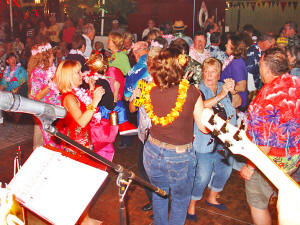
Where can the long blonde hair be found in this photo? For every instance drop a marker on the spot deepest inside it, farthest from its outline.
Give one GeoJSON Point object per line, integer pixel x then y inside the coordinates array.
{"type": "Point", "coordinates": [64, 76]}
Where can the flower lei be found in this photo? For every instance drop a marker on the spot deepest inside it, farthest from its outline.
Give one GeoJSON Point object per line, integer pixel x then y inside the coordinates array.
{"type": "Point", "coordinates": [41, 48]}
{"type": "Point", "coordinates": [84, 96]}
{"type": "Point", "coordinates": [174, 113]}
{"type": "Point", "coordinates": [11, 74]}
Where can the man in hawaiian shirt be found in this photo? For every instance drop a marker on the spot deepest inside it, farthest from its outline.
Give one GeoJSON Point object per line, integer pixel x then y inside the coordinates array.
{"type": "Point", "coordinates": [274, 125]}
{"type": "Point", "coordinates": [254, 54]}
{"type": "Point", "coordinates": [214, 50]}
{"type": "Point", "coordinates": [197, 50]}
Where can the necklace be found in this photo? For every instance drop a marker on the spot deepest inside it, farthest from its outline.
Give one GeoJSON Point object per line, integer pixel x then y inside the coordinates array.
{"type": "Point", "coordinates": [175, 111]}
{"type": "Point", "coordinates": [84, 96]}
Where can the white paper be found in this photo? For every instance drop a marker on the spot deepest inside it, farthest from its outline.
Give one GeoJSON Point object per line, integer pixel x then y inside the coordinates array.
{"type": "Point", "coordinates": [56, 187]}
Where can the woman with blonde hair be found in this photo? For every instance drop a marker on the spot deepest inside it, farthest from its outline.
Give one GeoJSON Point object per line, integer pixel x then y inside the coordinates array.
{"type": "Point", "coordinates": [118, 58]}
{"type": "Point", "coordinates": [81, 105]}
{"type": "Point", "coordinates": [41, 70]}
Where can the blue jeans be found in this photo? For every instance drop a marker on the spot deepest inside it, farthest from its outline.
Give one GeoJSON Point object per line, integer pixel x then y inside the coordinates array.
{"type": "Point", "coordinates": [213, 170]}
{"type": "Point", "coordinates": [167, 169]}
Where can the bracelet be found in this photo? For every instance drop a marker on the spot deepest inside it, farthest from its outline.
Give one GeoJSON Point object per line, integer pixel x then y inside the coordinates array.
{"type": "Point", "coordinates": [91, 108]}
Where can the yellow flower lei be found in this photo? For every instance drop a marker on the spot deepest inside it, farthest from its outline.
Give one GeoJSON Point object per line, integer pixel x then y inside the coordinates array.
{"type": "Point", "coordinates": [174, 113]}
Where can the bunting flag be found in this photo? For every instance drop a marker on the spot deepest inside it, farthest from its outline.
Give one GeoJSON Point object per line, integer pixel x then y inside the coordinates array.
{"type": "Point", "coordinates": [262, 3]}
{"type": "Point", "coordinates": [283, 5]}
{"type": "Point", "coordinates": [295, 4]}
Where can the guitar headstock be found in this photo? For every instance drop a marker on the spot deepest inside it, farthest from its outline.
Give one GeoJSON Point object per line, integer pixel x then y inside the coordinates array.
{"type": "Point", "coordinates": [232, 137]}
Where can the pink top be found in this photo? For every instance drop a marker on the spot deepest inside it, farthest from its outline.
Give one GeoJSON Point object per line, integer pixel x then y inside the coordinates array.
{"type": "Point", "coordinates": [117, 75]}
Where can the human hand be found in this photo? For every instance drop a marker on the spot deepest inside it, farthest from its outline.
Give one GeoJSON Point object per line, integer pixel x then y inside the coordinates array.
{"type": "Point", "coordinates": [236, 100]}
{"type": "Point", "coordinates": [136, 93]}
{"type": "Point", "coordinates": [91, 83]}
{"type": "Point", "coordinates": [246, 172]}
{"type": "Point", "coordinates": [288, 206]}
{"type": "Point", "coordinates": [188, 75]}
{"type": "Point", "coordinates": [98, 93]}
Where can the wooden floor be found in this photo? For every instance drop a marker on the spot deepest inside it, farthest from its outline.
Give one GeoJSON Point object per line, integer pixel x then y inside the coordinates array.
{"type": "Point", "coordinates": [105, 205]}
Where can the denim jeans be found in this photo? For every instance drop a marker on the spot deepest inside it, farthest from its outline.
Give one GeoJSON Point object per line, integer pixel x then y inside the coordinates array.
{"type": "Point", "coordinates": [211, 169]}
{"type": "Point", "coordinates": [167, 169]}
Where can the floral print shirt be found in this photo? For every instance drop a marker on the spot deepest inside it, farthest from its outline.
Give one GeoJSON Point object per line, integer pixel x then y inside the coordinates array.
{"type": "Point", "coordinates": [40, 79]}
{"type": "Point", "coordinates": [274, 120]}
{"type": "Point", "coordinates": [12, 80]}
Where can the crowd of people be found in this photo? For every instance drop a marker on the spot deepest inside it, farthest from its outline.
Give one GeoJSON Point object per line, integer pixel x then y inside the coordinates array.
{"type": "Point", "coordinates": [169, 78]}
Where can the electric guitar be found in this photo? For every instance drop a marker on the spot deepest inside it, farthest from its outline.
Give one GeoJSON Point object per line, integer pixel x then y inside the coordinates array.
{"type": "Point", "coordinates": [6, 205]}
{"type": "Point", "coordinates": [236, 140]}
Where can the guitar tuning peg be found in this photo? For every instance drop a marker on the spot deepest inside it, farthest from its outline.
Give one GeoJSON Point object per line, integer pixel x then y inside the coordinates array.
{"type": "Point", "coordinates": [229, 118]}
{"type": "Point", "coordinates": [237, 136]}
{"type": "Point", "coordinates": [227, 144]}
{"type": "Point", "coordinates": [224, 128]}
{"type": "Point", "coordinates": [242, 126]}
{"type": "Point", "coordinates": [212, 120]}
{"type": "Point", "coordinates": [216, 132]}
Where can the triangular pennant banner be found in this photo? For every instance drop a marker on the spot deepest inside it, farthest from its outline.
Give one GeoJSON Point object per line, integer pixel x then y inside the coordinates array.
{"type": "Point", "coordinates": [247, 4]}
{"type": "Point", "coordinates": [289, 4]}
{"type": "Point", "coordinates": [253, 4]}
{"type": "Point", "coordinates": [243, 4]}
{"type": "Point", "coordinates": [283, 5]}
{"type": "Point", "coordinates": [277, 3]}
{"type": "Point", "coordinates": [263, 4]}
{"type": "Point", "coordinates": [295, 4]}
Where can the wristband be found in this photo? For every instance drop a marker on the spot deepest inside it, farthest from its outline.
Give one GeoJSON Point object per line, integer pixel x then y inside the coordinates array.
{"type": "Point", "coordinates": [91, 108]}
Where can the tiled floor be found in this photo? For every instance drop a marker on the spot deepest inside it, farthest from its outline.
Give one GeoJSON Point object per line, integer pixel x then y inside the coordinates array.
{"type": "Point", "coordinates": [105, 205]}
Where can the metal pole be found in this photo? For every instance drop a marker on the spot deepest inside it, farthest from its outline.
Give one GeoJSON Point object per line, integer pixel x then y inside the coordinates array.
{"type": "Point", "coordinates": [194, 18]}
{"type": "Point", "coordinates": [11, 17]}
{"type": "Point", "coordinates": [102, 20]}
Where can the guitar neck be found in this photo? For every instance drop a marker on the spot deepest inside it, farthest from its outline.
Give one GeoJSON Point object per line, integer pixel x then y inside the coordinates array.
{"type": "Point", "coordinates": [266, 165]}
{"type": "Point", "coordinates": [238, 143]}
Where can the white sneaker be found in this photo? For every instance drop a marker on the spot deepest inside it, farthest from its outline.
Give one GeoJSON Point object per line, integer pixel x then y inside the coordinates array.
{"type": "Point", "coordinates": [1, 120]}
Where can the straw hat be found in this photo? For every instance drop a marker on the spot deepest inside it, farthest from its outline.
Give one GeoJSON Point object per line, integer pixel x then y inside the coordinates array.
{"type": "Point", "coordinates": [179, 25]}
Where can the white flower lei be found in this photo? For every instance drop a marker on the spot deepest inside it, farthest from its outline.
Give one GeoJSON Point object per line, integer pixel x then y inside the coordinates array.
{"type": "Point", "coordinates": [83, 95]}
{"type": "Point", "coordinates": [76, 52]}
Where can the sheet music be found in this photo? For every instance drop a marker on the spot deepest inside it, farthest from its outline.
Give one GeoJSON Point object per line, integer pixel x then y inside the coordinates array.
{"type": "Point", "coordinates": [56, 187]}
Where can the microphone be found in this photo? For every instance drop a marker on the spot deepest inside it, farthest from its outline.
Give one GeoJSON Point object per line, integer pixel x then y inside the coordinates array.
{"type": "Point", "coordinates": [47, 113]}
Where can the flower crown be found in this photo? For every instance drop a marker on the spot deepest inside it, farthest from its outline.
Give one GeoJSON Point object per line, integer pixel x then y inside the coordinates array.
{"type": "Point", "coordinates": [41, 48]}
{"type": "Point", "coordinates": [156, 44]}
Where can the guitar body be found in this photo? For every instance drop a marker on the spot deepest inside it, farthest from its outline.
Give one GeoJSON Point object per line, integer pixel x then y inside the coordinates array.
{"type": "Point", "coordinates": [237, 142]}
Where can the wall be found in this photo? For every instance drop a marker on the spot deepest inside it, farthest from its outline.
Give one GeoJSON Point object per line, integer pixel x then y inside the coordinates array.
{"type": "Point", "coordinates": [264, 19]}
{"type": "Point", "coordinates": [171, 10]}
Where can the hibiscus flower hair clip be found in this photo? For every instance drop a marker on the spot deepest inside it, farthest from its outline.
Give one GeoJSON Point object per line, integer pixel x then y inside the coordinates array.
{"type": "Point", "coordinates": [182, 60]}
{"type": "Point", "coordinates": [41, 48]}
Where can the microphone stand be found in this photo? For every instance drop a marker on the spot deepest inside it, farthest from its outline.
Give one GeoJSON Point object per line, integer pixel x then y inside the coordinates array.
{"type": "Point", "coordinates": [125, 176]}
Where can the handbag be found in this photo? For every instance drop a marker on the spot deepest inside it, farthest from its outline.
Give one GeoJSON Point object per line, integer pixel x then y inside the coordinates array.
{"type": "Point", "coordinates": [102, 133]}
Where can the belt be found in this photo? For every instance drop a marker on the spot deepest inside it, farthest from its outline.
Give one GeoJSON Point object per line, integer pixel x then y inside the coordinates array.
{"type": "Point", "coordinates": [177, 148]}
